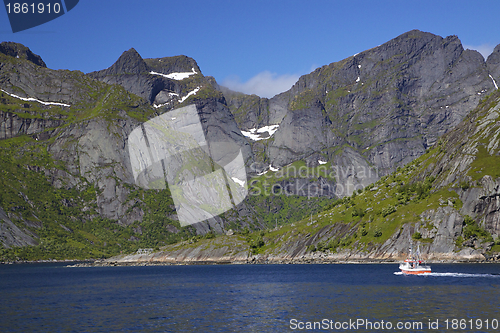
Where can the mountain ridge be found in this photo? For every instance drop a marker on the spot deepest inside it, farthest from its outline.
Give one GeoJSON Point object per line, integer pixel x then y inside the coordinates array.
{"type": "Point", "coordinates": [451, 219]}
{"type": "Point", "coordinates": [348, 72]}
{"type": "Point", "coordinates": [380, 109]}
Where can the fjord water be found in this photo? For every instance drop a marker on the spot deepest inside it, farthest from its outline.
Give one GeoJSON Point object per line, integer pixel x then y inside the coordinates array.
{"type": "Point", "coordinates": [239, 298]}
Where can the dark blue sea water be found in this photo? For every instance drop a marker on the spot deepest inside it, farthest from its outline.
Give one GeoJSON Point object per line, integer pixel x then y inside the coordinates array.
{"type": "Point", "coordinates": [246, 298]}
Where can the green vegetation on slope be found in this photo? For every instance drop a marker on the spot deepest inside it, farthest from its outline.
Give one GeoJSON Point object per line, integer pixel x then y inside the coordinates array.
{"type": "Point", "coordinates": [66, 220]}
{"type": "Point", "coordinates": [371, 216]}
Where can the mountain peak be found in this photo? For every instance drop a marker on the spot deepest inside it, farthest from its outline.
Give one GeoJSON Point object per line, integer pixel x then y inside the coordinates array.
{"type": "Point", "coordinates": [130, 62]}
{"type": "Point", "coordinates": [493, 63]}
{"type": "Point", "coordinates": [415, 41]}
{"type": "Point", "coordinates": [494, 57]}
{"type": "Point", "coordinates": [418, 34]}
{"type": "Point", "coordinates": [415, 33]}
{"type": "Point", "coordinates": [20, 51]}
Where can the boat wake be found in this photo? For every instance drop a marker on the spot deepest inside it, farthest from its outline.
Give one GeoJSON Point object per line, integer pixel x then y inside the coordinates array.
{"type": "Point", "coordinates": [459, 275]}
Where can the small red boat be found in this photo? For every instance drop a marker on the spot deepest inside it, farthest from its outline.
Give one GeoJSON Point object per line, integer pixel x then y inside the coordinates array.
{"type": "Point", "coordinates": [414, 264]}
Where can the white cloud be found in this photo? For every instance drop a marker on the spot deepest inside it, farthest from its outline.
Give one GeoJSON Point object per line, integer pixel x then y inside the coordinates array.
{"type": "Point", "coordinates": [264, 84]}
{"type": "Point", "coordinates": [484, 49]}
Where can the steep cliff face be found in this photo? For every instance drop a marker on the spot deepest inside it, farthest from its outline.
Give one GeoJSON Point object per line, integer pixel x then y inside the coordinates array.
{"type": "Point", "coordinates": [446, 202]}
{"type": "Point", "coordinates": [68, 179]}
{"type": "Point", "coordinates": [67, 133]}
{"type": "Point", "coordinates": [12, 235]}
{"type": "Point", "coordinates": [20, 122]}
{"type": "Point", "coordinates": [64, 133]}
{"type": "Point", "coordinates": [493, 64]}
{"type": "Point", "coordinates": [19, 51]}
{"type": "Point", "coordinates": [467, 159]}
{"type": "Point", "coordinates": [384, 106]}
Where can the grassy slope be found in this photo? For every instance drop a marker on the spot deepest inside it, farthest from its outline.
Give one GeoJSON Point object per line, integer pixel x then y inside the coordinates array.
{"type": "Point", "coordinates": [65, 220]}
{"type": "Point", "coordinates": [68, 228]}
{"type": "Point", "coordinates": [372, 216]}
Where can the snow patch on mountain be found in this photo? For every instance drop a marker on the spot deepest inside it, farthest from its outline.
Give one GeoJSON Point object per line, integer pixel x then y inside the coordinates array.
{"type": "Point", "coordinates": [176, 76]}
{"type": "Point", "coordinates": [256, 134]}
{"type": "Point", "coordinates": [30, 99]}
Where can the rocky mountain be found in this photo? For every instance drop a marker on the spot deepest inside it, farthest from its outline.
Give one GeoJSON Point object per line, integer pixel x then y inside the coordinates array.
{"type": "Point", "coordinates": [67, 180]}
{"type": "Point", "coordinates": [21, 52]}
{"type": "Point", "coordinates": [446, 202]}
{"type": "Point", "coordinates": [380, 108]}
{"type": "Point", "coordinates": [60, 132]}
{"type": "Point", "coordinates": [70, 190]}
{"type": "Point", "coordinates": [149, 78]}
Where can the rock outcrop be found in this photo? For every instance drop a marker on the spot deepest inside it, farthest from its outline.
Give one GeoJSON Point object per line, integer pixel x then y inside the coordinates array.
{"type": "Point", "coordinates": [384, 106]}
{"type": "Point", "coordinates": [11, 235]}
{"type": "Point", "coordinates": [24, 122]}
{"type": "Point", "coordinates": [151, 79]}
{"type": "Point", "coordinates": [20, 51]}
{"type": "Point", "coordinates": [493, 63]}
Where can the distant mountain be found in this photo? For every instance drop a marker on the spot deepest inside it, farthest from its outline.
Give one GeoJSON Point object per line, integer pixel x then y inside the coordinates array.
{"type": "Point", "coordinates": [380, 108]}
{"type": "Point", "coordinates": [68, 186]}
{"type": "Point", "coordinates": [445, 203]}
{"type": "Point", "coordinates": [134, 74]}
{"type": "Point", "coordinates": [70, 190]}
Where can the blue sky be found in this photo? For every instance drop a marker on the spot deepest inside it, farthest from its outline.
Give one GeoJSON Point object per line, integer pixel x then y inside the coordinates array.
{"type": "Point", "coordinates": [253, 46]}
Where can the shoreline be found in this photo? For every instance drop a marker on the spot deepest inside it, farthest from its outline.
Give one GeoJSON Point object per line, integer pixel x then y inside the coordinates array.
{"type": "Point", "coordinates": [49, 261]}
{"type": "Point", "coordinates": [108, 263]}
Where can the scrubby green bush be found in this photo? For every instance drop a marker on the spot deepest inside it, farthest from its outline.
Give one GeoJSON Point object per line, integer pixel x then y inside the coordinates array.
{"type": "Point", "coordinates": [464, 185]}
{"type": "Point", "coordinates": [210, 235]}
{"type": "Point", "coordinates": [321, 246]}
{"type": "Point", "coordinates": [471, 229]}
{"type": "Point", "coordinates": [420, 190]}
{"type": "Point", "coordinates": [388, 210]}
{"type": "Point", "coordinates": [357, 211]}
{"type": "Point", "coordinates": [417, 235]}
{"type": "Point", "coordinates": [333, 244]}
{"type": "Point", "coordinates": [345, 241]}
